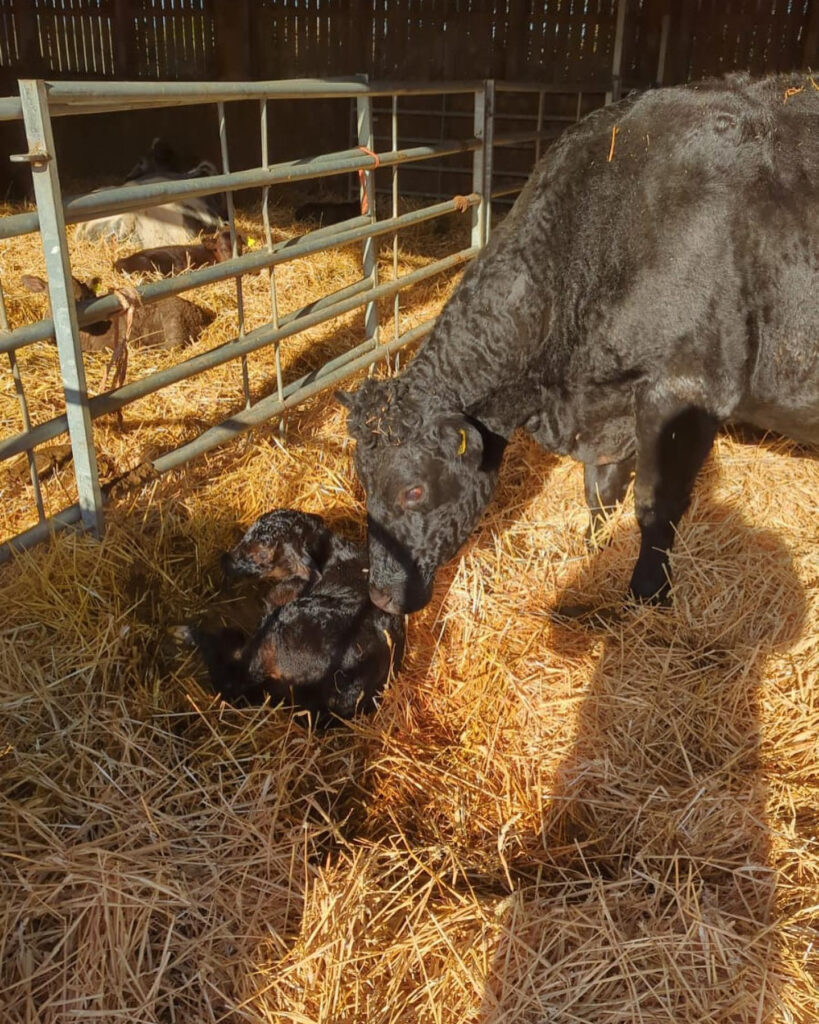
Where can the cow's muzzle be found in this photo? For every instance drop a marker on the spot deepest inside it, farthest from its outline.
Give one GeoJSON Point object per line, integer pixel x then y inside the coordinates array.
{"type": "Point", "coordinates": [385, 601]}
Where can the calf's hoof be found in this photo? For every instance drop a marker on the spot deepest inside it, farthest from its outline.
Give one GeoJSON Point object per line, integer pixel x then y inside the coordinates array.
{"type": "Point", "coordinates": [182, 635]}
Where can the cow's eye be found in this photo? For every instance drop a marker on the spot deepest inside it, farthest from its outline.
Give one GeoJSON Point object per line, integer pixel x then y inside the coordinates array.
{"type": "Point", "coordinates": [412, 496]}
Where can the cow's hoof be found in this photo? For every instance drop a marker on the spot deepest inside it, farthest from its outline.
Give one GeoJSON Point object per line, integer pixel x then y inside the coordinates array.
{"type": "Point", "coordinates": [659, 597]}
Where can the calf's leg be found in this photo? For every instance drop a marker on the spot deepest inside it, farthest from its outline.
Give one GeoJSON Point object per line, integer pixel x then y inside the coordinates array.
{"type": "Point", "coordinates": [605, 487]}
{"type": "Point", "coordinates": [673, 441]}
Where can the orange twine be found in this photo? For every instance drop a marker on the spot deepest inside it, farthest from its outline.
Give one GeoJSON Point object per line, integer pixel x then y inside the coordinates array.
{"type": "Point", "coordinates": [362, 180]}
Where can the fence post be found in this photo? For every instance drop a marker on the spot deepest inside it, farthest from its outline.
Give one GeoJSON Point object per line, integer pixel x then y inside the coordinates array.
{"type": "Point", "coordinates": [483, 130]}
{"type": "Point", "coordinates": [366, 139]}
{"type": "Point", "coordinates": [488, 162]}
{"type": "Point", "coordinates": [47, 192]}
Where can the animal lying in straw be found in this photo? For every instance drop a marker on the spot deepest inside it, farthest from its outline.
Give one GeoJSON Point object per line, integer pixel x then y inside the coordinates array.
{"type": "Point", "coordinates": [322, 646]}
{"type": "Point", "coordinates": [657, 277]}
{"type": "Point", "coordinates": [173, 223]}
{"type": "Point", "coordinates": [168, 323]}
{"type": "Point", "coordinates": [325, 214]}
{"type": "Point", "coordinates": [173, 259]}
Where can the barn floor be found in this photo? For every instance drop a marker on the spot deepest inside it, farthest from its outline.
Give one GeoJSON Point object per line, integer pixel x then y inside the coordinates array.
{"type": "Point", "coordinates": [603, 820]}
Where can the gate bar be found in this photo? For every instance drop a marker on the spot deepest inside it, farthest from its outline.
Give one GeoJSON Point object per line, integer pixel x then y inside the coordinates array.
{"type": "Point", "coordinates": [107, 201]}
{"type": "Point", "coordinates": [343, 301]}
{"type": "Point", "coordinates": [271, 406]}
{"type": "Point", "coordinates": [271, 271]}
{"type": "Point", "coordinates": [24, 414]}
{"type": "Point", "coordinates": [240, 299]}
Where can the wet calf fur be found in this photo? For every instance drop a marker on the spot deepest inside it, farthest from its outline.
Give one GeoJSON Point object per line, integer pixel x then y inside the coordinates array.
{"type": "Point", "coordinates": [657, 277]}
{"type": "Point", "coordinates": [321, 646]}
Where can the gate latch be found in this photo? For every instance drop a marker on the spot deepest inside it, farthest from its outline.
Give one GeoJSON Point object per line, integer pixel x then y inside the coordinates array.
{"type": "Point", "coordinates": [37, 158]}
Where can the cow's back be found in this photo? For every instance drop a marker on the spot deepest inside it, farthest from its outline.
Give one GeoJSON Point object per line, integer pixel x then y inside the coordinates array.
{"type": "Point", "coordinates": [680, 237]}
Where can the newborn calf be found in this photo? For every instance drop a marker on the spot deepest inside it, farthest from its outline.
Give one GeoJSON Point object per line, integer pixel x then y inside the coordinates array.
{"type": "Point", "coordinates": [169, 323]}
{"type": "Point", "coordinates": [322, 646]}
{"type": "Point", "coordinates": [173, 259]}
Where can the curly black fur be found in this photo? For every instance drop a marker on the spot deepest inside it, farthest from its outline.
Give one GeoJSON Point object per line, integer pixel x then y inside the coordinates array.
{"type": "Point", "coordinates": [624, 309]}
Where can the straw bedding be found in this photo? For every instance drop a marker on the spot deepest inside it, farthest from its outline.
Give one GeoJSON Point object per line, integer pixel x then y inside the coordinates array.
{"type": "Point", "coordinates": [604, 820]}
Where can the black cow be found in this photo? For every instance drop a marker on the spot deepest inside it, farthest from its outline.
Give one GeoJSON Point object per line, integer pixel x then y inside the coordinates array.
{"type": "Point", "coordinates": [658, 276]}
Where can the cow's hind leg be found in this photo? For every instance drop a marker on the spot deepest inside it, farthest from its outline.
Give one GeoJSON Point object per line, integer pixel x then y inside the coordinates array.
{"type": "Point", "coordinates": [672, 443]}
{"type": "Point", "coordinates": [605, 487]}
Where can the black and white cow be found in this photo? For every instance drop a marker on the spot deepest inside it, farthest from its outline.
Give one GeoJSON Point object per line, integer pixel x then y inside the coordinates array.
{"type": "Point", "coordinates": [170, 224]}
{"type": "Point", "coordinates": [657, 277]}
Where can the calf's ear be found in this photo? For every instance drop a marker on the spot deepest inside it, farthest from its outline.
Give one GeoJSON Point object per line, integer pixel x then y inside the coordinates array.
{"type": "Point", "coordinates": [32, 283]}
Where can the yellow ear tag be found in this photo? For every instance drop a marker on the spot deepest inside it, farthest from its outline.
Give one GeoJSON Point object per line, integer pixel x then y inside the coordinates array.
{"type": "Point", "coordinates": [462, 445]}
{"type": "Point", "coordinates": [251, 243]}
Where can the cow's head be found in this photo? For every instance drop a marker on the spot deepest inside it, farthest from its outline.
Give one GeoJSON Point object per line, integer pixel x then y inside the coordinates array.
{"type": "Point", "coordinates": [428, 470]}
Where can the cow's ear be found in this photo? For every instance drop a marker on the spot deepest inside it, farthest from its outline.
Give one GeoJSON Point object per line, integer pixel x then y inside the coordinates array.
{"type": "Point", "coordinates": [462, 441]}
{"type": "Point", "coordinates": [32, 283]}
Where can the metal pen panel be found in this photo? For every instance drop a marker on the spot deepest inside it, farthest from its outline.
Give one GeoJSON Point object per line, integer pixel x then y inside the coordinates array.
{"type": "Point", "coordinates": [24, 414]}
{"type": "Point", "coordinates": [42, 157]}
{"type": "Point", "coordinates": [57, 99]}
{"type": "Point", "coordinates": [478, 164]}
{"type": "Point", "coordinates": [240, 303]}
{"type": "Point", "coordinates": [271, 271]}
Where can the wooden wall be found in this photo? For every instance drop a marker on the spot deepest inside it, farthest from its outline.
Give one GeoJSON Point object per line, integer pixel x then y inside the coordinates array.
{"type": "Point", "coordinates": [550, 41]}
{"type": "Point", "coordinates": [544, 40]}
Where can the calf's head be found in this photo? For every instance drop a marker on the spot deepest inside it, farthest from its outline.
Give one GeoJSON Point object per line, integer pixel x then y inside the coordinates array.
{"type": "Point", "coordinates": [82, 293]}
{"type": "Point", "coordinates": [283, 544]}
{"type": "Point", "coordinates": [428, 470]}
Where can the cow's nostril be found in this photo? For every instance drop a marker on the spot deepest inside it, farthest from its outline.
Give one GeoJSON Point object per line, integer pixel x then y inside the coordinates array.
{"type": "Point", "coordinates": [384, 601]}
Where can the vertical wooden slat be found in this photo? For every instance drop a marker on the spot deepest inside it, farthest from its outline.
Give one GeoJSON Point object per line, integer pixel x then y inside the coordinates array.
{"type": "Point", "coordinates": [810, 47]}
{"type": "Point", "coordinates": [125, 51]}
{"type": "Point", "coordinates": [546, 40]}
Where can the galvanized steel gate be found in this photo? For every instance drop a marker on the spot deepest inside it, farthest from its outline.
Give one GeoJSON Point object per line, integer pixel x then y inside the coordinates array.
{"type": "Point", "coordinates": [39, 101]}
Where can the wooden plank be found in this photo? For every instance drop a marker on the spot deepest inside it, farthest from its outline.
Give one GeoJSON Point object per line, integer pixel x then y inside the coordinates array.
{"type": "Point", "coordinates": [124, 50]}
{"type": "Point", "coordinates": [232, 27]}
{"type": "Point", "coordinates": [810, 47]}
{"type": "Point", "coordinates": [517, 40]}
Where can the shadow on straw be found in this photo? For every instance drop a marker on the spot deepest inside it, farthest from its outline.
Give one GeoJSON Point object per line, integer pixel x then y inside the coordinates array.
{"type": "Point", "coordinates": [653, 893]}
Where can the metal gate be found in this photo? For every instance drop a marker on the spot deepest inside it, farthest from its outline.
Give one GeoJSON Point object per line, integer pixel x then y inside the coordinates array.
{"type": "Point", "coordinates": [40, 101]}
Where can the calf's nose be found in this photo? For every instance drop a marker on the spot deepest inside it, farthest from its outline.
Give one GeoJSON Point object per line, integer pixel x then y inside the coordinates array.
{"type": "Point", "coordinates": [384, 601]}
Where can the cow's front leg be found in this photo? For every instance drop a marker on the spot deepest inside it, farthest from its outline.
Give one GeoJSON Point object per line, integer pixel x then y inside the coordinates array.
{"type": "Point", "coordinates": [673, 440]}
{"type": "Point", "coordinates": [605, 486]}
